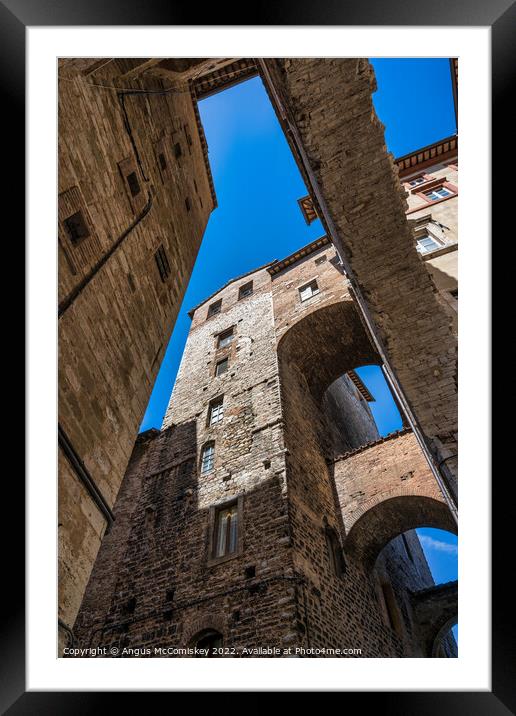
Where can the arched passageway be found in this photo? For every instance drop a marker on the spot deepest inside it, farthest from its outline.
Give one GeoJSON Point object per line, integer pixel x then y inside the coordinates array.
{"type": "Point", "coordinates": [325, 344]}
{"type": "Point", "coordinates": [384, 519]}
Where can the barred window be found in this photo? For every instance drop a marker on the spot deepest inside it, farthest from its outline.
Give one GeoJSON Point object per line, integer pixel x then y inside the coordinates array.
{"type": "Point", "coordinates": [245, 290]}
{"type": "Point", "coordinates": [214, 308]}
{"type": "Point", "coordinates": [162, 263]}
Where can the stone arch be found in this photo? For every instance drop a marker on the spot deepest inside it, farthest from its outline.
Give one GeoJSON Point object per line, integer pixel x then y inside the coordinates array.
{"type": "Point", "coordinates": [325, 343]}
{"type": "Point", "coordinates": [446, 627]}
{"type": "Point", "coordinates": [203, 624]}
{"type": "Point", "coordinates": [390, 514]}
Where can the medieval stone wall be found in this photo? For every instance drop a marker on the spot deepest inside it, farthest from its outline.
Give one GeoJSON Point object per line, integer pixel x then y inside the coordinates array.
{"type": "Point", "coordinates": [132, 178]}
{"type": "Point", "coordinates": [329, 101]}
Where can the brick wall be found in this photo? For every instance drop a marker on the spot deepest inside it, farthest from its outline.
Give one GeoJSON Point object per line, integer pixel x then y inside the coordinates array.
{"type": "Point", "coordinates": [157, 581]}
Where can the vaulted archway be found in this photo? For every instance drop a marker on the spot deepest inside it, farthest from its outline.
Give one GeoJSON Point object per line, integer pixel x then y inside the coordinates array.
{"type": "Point", "coordinates": [384, 519]}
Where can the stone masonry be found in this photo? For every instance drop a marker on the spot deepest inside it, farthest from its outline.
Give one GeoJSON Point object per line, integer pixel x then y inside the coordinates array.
{"type": "Point", "coordinates": [329, 103]}
{"type": "Point", "coordinates": [278, 460]}
{"type": "Point", "coordinates": [135, 194]}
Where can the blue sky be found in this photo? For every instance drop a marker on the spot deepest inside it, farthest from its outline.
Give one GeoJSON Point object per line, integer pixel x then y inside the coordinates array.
{"type": "Point", "coordinates": [258, 218]}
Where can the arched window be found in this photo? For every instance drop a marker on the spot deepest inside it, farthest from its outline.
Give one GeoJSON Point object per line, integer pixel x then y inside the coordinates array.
{"type": "Point", "coordinates": [208, 640]}
{"type": "Point", "coordinates": [208, 457]}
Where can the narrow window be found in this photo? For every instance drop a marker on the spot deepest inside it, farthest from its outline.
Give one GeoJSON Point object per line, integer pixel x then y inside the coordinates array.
{"type": "Point", "coordinates": [214, 308]}
{"type": "Point", "coordinates": [208, 457]}
{"type": "Point", "coordinates": [245, 290]}
{"type": "Point", "coordinates": [177, 150]}
{"type": "Point", "coordinates": [226, 530]}
{"type": "Point", "coordinates": [162, 161]}
{"type": "Point", "coordinates": [216, 410]}
{"type": "Point", "coordinates": [225, 338]}
{"type": "Point", "coordinates": [221, 367]}
{"type": "Point", "coordinates": [209, 641]}
{"type": "Point", "coordinates": [188, 204]}
{"type": "Point", "coordinates": [162, 263]}
{"type": "Point", "coordinates": [76, 227]}
{"type": "Point", "coordinates": [309, 290]}
{"type": "Point", "coordinates": [426, 244]}
{"type": "Point", "coordinates": [335, 552]}
{"type": "Point", "coordinates": [320, 260]}
{"type": "Point", "coordinates": [133, 183]}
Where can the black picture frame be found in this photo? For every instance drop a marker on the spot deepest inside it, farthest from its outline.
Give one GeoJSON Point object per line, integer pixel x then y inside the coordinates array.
{"type": "Point", "coordinates": [500, 15]}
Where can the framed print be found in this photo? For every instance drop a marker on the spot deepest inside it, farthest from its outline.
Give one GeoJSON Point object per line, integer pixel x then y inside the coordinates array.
{"type": "Point", "coordinates": [261, 404]}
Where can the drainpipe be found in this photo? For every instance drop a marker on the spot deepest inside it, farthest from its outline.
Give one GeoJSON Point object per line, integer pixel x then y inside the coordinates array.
{"type": "Point", "coordinates": [389, 372]}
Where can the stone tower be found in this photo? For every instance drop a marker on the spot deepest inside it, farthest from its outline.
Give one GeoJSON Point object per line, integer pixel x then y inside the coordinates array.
{"type": "Point", "coordinates": [268, 513]}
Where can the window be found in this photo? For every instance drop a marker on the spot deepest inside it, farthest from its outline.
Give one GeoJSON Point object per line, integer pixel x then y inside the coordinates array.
{"type": "Point", "coordinates": [335, 552]}
{"type": "Point", "coordinates": [426, 244]}
{"type": "Point", "coordinates": [216, 410]}
{"type": "Point", "coordinates": [416, 181]}
{"type": "Point", "coordinates": [221, 367]}
{"type": "Point", "coordinates": [208, 457]}
{"type": "Point", "coordinates": [177, 150]}
{"type": "Point", "coordinates": [76, 227]}
{"type": "Point", "coordinates": [209, 641]}
{"type": "Point", "coordinates": [133, 184]}
{"type": "Point", "coordinates": [162, 263]}
{"type": "Point", "coordinates": [214, 308]}
{"type": "Point", "coordinates": [309, 290]}
{"type": "Point", "coordinates": [320, 260]}
{"type": "Point", "coordinates": [439, 193]}
{"type": "Point", "coordinates": [245, 290]}
{"type": "Point", "coordinates": [225, 338]}
{"type": "Point", "coordinates": [226, 530]}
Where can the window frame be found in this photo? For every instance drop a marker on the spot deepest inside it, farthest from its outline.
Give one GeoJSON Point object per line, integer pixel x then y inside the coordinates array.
{"type": "Point", "coordinates": [215, 510]}
{"type": "Point", "coordinates": [162, 262]}
{"type": "Point", "coordinates": [228, 333]}
{"type": "Point", "coordinates": [207, 445]}
{"type": "Point", "coordinates": [308, 285]}
{"type": "Point", "coordinates": [212, 311]}
{"type": "Point", "coordinates": [220, 362]}
{"type": "Point", "coordinates": [242, 289]}
{"type": "Point", "coordinates": [217, 402]}
{"type": "Point", "coordinates": [437, 244]}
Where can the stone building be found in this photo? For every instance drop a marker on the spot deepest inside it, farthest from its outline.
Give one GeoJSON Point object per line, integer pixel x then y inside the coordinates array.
{"type": "Point", "coordinates": [267, 512]}
{"type": "Point", "coordinates": [135, 194]}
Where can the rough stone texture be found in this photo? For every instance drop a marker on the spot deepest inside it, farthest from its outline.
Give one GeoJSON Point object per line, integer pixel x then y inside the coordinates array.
{"type": "Point", "coordinates": [156, 582]}
{"type": "Point", "coordinates": [116, 314]}
{"type": "Point", "coordinates": [330, 103]}
{"type": "Point", "coordinates": [435, 612]}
